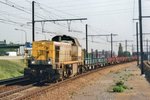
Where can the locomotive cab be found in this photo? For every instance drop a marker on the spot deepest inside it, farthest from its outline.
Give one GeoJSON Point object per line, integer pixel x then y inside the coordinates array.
{"type": "Point", "coordinates": [56, 59]}
{"type": "Point", "coordinates": [40, 65]}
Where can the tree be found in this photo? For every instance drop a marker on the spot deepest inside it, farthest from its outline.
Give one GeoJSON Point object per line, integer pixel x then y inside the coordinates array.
{"type": "Point", "coordinates": [120, 51]}
{"type": "Point", "coordinates": [126, 54]}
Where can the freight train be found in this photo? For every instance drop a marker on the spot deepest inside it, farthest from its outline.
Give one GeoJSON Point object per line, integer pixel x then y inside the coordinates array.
{"type": "Point", "coordinates": [63, 57]}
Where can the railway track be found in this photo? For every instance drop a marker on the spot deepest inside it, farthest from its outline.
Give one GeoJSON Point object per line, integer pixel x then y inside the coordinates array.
{"type": "Point", "coordinates": [5, 95]}
{"type": "Point", "coordinates": [148, 62]}
{"type": "Point", "coordinates": [49, 87]}
{"type": "Point", "coordinates": [10, 84]}
{"type": "Point", "coordinates": [11, 80]}
{"type": "Point", "coordinates": [14, 91]}
{"type": "Point", "coordinates": [17, 85]}
{"type": "Point", "coordinates": [13, 85]}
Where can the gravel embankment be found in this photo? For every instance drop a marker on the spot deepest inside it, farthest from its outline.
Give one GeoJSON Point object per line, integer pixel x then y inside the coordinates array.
{"type": "Point", "coordinates": [95, 86]}
{"type": "Point", "coordinates": [138, 86]}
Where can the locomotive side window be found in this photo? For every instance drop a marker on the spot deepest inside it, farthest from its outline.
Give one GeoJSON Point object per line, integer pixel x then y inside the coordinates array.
{"type": "Point", "coordinates": [57, 49]}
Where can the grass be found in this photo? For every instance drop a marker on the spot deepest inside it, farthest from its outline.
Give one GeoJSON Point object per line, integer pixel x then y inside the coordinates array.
{"type": "Point", "coordinates": [119, 87]}
{"type": "Point", "coordinates": [11, 68]}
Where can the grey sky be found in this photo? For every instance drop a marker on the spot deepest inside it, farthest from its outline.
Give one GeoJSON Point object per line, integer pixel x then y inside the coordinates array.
{"type": "Point", "coordinates": [104, 17]}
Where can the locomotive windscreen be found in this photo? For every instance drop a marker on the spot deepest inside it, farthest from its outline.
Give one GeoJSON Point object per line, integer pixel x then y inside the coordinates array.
{"type": "Point", "coordinates": [59, 38]}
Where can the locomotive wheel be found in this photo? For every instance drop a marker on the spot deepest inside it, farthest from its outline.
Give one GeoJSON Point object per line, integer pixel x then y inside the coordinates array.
{"type": "Point", "coordinates": [79, 70]}
{"type": "Point", "coordinates": [84, 69]}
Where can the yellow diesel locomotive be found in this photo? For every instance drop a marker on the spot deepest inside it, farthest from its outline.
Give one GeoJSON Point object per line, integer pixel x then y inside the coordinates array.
{"type": "Point", "coordinates": [56, 59]}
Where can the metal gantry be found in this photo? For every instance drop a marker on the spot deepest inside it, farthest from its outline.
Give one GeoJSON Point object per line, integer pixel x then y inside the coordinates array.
{"type": "Point", "coordinates": [126, 44]}
{"type": "Point", "coordinates": [147, 47]}
{"type": "Point", "coordinates": [106, 35]}
{"type": "Point", "coordinates": [33, 21]}
{"type": "Point", "coordinates": [137, 43]}
{"type": "Point", "coordinates": [137, 40]}
{"type": "Point", "coordinates": [141, 36]}
{"type": "Point", "coordinates": [86, 31]}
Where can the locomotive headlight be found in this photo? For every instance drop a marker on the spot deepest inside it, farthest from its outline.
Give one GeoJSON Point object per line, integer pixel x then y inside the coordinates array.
{"type": "Point", "coordinates": [33, 62]}
{"type": "Point", "coordinates": [49, 61]}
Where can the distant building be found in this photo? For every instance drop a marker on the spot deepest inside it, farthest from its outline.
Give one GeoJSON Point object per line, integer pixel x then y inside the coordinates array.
{"type": "Point", "coordinates": [10, 49]}
{"type": "Point", "coordinates": [3, 42]}
{"type": "Point", "coordinates": [11, 53]}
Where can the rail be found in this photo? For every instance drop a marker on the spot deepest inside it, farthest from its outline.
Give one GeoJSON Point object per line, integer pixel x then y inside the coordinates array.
{"type": "Point", "coordinates": [5, 81]}
{"type": "Point", "coordinates": [49, 87]}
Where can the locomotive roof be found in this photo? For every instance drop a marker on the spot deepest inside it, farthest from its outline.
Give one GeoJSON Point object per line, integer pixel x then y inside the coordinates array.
{"type": "Point", "coordinates": [60, 38]}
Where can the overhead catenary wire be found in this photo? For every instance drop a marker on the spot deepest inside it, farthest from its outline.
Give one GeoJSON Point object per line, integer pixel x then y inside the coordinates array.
{"type": "Point", "coordinates": [59, 10]}
{"type": "Point", "coordinates": [18, 8]}
{"type": "Point", "coordinates": [4, 13]}
{"type": "Point", "coordinates": [44, 18]}
{"type": "Point", "coordinates": [75, 6]}
{"type": "Point", "coordinates": [39, 5]}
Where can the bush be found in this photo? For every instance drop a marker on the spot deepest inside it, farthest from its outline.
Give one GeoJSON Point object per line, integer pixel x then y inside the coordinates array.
{"type": "Point", "coordinates": [118, 89]}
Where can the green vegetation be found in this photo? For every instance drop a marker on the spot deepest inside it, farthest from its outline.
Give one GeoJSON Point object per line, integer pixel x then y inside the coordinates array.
{"type": "Point", "coordinates": [120, 50]}
{"type": "Point", "coordinates": [122, 53]}
{"type": "Point", "coordinates": [123, 77]}
{"type": "Point", "coordinates": [4, 50]}
{"type": "Point", "coordinates": [126, 54]}
{"type": "Point", "coordinates": [119, 87]}
{"type": "Point", "coordinates": [11, 68]}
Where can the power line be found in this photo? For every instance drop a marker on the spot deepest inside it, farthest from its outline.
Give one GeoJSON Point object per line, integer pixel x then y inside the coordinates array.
{"type": "Point", "coordinates": [47, 10]}
{"type": "Point", "coordinates": [11, 4]}
{"type": "Point", "coordinates": [98, 31]}
{"type": "Point", "coordinates": [39, 5]}
{"type": "Point", "coordinates": [72, 14]}
{"type": "Point", "coordinates": [21, 9]}
{"type": "Point", "coordinates": [14, 6]}
{"type": "Point", "coordinates": [4, 13]}
{"type": "Point", "coordinates": [10, 22]}
{"type": "Point", "coordinates": [111, 39]}
{"type": "Point", "coordinates": [94, 5]}
{"type": "Point", "coordinates": [58, 10]}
